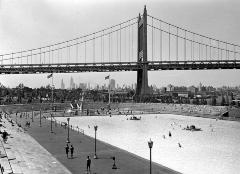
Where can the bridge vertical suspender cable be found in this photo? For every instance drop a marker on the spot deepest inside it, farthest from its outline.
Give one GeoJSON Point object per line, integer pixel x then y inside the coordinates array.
{"type": "Point", "coordinates": [58, 54]}
{"type": "Point", "coordinates": [69, 55]}
{"type": "Point", "coordinates": [44, 57]}
{"type": "Point", "coordinates": [192, 48]}
{"type": "Point", "coordinates": [117, 43]}
{"type": "Point", "coordinates": [40, 56]}
{"type": "Point", "coordinates": [52, 51]}
{"type": "Point", "coordinates": [49, 55]}
{"type": "Point", "coordinates": [31, 56]}
{"type": "Point", "coordinates": [226, 52]}
{"type": "Point", "coordinates": [93, 47]}
{"type": "Point", "coordinates": [21, 57]}
{"type": "Point", "coordinates": [120, 42]}
{"type": "Point", "coordinates": [177, 45]}
{"type": "Point", "coordinates": [132, 42]}
{"type": "Point", "coordinates": [129, 42]}
{"type": "Point", "coordinates": [193, 41]}
{"type": "Point", "coordinates": [199, 51]}
{"type": "Point", "coordinates": [218, 50]}
{"type": "Point", "coordinates": [169, 41]}
{"type": "Point", "coordinates": [206, 52]}
{"type": "Point", "coordinates": [210, 50]}
{"type": "Point", "coordinates": [12, 58]}
{"type": "Point", "coordinates": [103, 47]}
{"type": "Point", "coordinates": [221, 54]}
{"type": "Point", "coordinates": [160, 40]}
{"type": "Point", "coordinates": [109, 46]}
{"type": "Point", "coordinates": [125, 49]}
{"type": "Point", "coordinates": [76, 50]}
{"type": "Point", "coordinates": [152, 41]}
{"type": "Point", "coordinates": [234, 49]}
{"type": "Point", "coordinates": [85, 52]}
{"type": "Point", "coordinates": [185, 45]}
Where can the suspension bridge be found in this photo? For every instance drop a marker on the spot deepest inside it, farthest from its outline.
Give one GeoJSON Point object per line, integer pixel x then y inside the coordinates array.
{"type": "Point", "coordinates": [143, 43]}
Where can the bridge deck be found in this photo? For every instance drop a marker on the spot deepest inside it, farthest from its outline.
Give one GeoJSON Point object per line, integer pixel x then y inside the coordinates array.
{"type": "Point", "coordinates": [117, 66]}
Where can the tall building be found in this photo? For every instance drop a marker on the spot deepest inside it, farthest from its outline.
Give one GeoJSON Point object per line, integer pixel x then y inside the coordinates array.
{"type": "Point", "coordinates": [62, 85]}
{"type": "Point", "coordinates": [83, 85]}
{"type": "Point", "coordinates": [72, 84]}
{"type": "Point", "coordinates": [200, 87]}
{"type": "Point", "coordinates": [112, 84]}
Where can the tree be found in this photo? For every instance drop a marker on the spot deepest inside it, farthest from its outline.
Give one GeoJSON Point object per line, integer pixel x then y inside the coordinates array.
{"type": "Point", "coordinates": [223, 101]}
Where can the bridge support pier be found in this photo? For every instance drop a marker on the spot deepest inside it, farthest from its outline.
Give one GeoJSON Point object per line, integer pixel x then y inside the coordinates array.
{"type": "Point", "coordinates": [142, 90]}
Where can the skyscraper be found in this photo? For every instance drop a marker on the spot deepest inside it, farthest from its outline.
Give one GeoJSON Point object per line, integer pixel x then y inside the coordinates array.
{"type": "Point", "coordinates": [112, 84]}
{"type": "Point", "coordinates": [72, 84]}
{"type": "Point", "coordinates": [62, 85]}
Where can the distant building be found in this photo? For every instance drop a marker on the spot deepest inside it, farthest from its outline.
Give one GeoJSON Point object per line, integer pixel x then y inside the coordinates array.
{"type": "Point", "coordinates": [62, 85]}
{"type": "Point", "coordinates": [193, 89]}
{"type": "Point", "coordinates": [83, 86]}
{"type": "Point", "coordinates": [200, 87]}
{"type": "Point", "coordinates": [72, 84]}
{"type": "Point", "coordinates": [112, 84]}
{"type": "Point", "coordinates": [170, 88]}
{"type": "Point", "coordinates": [163, 89]}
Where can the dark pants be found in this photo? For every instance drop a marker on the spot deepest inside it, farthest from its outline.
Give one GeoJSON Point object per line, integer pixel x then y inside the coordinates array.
{"type": "Point", "coordinates": [88, 167]}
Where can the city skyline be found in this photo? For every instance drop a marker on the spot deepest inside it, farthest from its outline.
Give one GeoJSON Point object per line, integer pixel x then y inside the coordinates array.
{"type": "Point", "coordinates": [213, 18]}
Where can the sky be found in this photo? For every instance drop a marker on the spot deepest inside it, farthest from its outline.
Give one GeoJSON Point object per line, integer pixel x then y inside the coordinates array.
{"type": "Point", "coordinates": [27, 24]}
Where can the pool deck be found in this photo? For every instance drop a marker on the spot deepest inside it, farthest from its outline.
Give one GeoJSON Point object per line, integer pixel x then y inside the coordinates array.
{"type": "Point", "coordinates": [54, 143]}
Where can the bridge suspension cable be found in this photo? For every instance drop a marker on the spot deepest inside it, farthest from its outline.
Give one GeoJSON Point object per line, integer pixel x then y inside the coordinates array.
{"type": "Point", "coordinates": [62, 52]}
{"type": "Point", "coordinates": [188, 45]}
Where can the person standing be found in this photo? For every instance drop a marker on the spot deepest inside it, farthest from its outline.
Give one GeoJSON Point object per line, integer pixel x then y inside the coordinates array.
{"type": "Point", "coordinates": [88, 164]}
{"type": "Point", "coordinates": [67, 150]}
{"type": "Point", "coordinates": [71, 150]}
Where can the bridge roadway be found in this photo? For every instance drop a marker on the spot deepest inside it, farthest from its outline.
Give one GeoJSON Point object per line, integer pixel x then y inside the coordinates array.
{"type": "Point", "coordinates": [117, 66]}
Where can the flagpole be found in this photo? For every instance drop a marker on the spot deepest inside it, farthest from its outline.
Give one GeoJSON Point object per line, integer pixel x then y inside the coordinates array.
{"type": "Point", "coordinates": [52, 91]}
{"type": "Point", "coordinates": [109, 91]}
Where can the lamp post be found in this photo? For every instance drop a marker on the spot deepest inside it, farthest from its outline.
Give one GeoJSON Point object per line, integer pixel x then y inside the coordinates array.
{"type": "Point", "coordinates": [68, 141]}
{"type": "Point", "coordinates": [32, 114]}
{"type": "Point", "coordinates": [150, 145]}
{"type": "Point", "coordinates": [51, 123]}
{"type": "Point", "coordinates": [40, 121]}
{"type": "Point", "coordinates": [95, 155]}
{"type": "Point", "coordinates": [16, 119]}
{"type": "Point", "coordinates": [114, 163]}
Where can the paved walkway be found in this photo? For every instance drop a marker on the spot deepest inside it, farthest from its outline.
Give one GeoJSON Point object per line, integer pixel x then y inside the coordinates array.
{"type": "Point", "coordinates": [23, 154]}
{"type": "Point", "coordinates": [55, 142]}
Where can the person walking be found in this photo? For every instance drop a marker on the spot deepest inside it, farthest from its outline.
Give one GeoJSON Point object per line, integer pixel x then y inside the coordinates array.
{"type": "Point", "coordinates": [71, 150]}
{"type": "Point", "coordinates": [88, 164]}
{"type": "Point", "coordinates": [67, 150]}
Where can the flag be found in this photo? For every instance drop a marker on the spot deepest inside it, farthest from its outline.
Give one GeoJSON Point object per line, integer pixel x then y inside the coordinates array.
{"type": "Point", "coordinates": [107, 77]}
{"type": "Point", "coordinates": [49, 76]}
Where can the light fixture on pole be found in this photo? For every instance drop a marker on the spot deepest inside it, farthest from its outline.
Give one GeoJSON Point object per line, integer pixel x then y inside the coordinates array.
{"type": "Point", "coordinates": [40, 119]}
{"type": "Point", "coordinates": [68, 141]}
{"type": "Point", "coordinates": [16, 119]}
{"type": "Point", "coordinates": [32, 114]}
{"type": "Point", "coordinates": [95, 154]}
{"type": "Point", "coordinates": [150, 145]}
{"type": "Point", "coordinates": [114, 163]}
{"type": "Point", "coordinates": [51, 123]}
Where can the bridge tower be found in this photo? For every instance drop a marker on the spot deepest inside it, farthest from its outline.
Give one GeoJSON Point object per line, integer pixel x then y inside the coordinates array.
{"type": "Point", "coordinates": [142, 89]}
